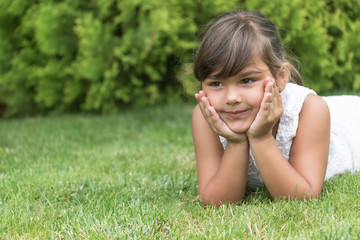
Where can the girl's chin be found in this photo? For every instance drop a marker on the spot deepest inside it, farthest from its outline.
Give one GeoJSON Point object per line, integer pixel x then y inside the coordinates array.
{"type": "Point", "coordinates": [238, 130]}
{"type": "Point", "coordinates": [240, 126]}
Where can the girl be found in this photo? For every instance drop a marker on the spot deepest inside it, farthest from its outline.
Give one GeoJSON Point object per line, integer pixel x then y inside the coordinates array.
{"type": "Point", "coordinates": [256, 124]}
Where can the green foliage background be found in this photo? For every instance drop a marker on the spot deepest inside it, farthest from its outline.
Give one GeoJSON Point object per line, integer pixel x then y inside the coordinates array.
{"type": "Point", "coordinates": [73, 55]}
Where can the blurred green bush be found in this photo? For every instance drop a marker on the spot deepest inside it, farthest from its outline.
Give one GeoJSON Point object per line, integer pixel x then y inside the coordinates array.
{"type": "Point", "coordinates": [73, 55]}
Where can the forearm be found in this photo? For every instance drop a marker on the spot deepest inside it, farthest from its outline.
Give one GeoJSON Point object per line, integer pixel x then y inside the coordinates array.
{"type": "Point", "coordinates": [229, 182]}
{"type": "Point", "coordinates": [280, 177]}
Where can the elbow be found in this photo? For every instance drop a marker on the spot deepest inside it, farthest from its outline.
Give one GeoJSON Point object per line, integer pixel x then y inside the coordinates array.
{"type": "Point", "coordinates": [308, 196]}
{"type": "Point", "coordinates": [303, 196]}
{"type": "Point", "coordinates": [216, 199]}
{"type": "Point", "coordinates": [209, 201]}
{"type": "Point", "coordinates": [312, 193]}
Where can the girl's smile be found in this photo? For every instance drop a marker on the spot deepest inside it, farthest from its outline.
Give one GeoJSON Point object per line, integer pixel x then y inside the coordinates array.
{"type": "Point", "coordinates": [236, 114]}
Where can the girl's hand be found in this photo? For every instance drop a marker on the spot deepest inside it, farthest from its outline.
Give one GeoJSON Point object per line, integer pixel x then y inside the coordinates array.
{"type": "Point", "coordinates": [271, 109]}
{"type": "Point", "coordinates": [215, 122]}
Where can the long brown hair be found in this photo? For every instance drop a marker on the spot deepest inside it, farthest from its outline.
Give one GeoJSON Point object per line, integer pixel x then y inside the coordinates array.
{"type": "Point", "coordinates": [233, 40]}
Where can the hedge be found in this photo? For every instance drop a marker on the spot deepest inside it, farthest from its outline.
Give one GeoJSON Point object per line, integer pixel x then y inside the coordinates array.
{"type": "Point", "coordinates": [73, 55]}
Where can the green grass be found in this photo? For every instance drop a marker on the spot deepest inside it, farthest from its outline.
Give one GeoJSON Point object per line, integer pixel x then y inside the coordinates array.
{"type": "Point", "coordinates": [133, 176]}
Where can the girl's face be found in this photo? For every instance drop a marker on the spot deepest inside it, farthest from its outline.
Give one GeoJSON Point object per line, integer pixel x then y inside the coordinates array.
{"type": "Point", "coordinates": [237, 99]}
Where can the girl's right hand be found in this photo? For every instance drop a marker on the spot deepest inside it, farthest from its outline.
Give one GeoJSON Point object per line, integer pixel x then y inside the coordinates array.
{"type": "Point", "coordinates": [215, 122]}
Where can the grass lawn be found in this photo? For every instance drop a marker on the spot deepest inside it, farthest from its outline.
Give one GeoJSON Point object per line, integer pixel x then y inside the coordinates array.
{"type": "Point", "coordinates": [133, 176]}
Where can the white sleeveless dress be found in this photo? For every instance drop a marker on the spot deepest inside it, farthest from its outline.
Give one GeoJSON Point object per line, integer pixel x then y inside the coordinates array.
{"type": "Point", "coordinates": [344, 153]}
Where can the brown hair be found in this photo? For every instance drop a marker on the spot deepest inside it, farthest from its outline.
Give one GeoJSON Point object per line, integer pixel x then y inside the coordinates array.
{"type": "Point", "coordinates": [233, 40]}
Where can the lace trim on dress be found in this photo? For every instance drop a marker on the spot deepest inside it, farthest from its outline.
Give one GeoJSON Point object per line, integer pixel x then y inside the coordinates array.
{"type": "Point", "coordinates": [293, 98]}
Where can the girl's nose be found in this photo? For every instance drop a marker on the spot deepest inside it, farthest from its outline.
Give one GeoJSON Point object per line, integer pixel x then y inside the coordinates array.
{"type": "Point", "coordinates": [232, 96]}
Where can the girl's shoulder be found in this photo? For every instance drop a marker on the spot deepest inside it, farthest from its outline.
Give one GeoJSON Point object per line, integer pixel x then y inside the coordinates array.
{"type": "Point", "coordinates": [299, 100]}
{"type": "Point", "coordinates": [314, 119]}
{"type": "Point", "coordinates": [295, 94]}
{"type": "Point", "coordinates": [300, 104]}
{"type": "Point", "coordinates": [315, 104]}
{"type": "Point", "coordinates": [293, 97]}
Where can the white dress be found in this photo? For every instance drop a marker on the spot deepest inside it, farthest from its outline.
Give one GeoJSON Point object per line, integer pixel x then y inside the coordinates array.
{"type": "Point", "coordinates": [344, 153]}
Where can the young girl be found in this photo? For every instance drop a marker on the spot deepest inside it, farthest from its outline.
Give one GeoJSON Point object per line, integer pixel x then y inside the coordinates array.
{"type": "Point", "coordinates": [256, 124]}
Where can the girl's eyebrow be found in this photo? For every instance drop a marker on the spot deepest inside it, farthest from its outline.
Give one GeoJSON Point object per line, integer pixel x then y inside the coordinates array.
{"type": "Point", "coordinates": [212, 77]}
{"type": "Point", "coordinates": [241, 74]}
{"type": "Point", "coordinates": [248, 73]}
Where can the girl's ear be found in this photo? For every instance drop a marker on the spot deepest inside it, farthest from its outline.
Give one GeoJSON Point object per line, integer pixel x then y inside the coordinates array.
{"type": "Point", "coordinates": [283, 75]}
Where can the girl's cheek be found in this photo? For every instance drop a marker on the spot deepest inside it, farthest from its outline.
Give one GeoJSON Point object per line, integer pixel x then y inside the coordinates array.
{"type": "Point", "coordinates": [212, 100]}
{"type": "Point", "coordinates": [261, 97]}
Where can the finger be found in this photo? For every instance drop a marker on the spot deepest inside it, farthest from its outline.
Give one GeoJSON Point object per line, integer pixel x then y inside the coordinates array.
{"type": "Point", "coordinates": [269, 86]}
{"type": "Point", "coordinates": [199, 95]}
{"type": "Point", "coordinates": [202, 93]}
{"type": "Point", "coordinates": [277, 96]}
{"type": "Point", "coordinates": [206, 101]}
{"type": "Point", "coordinates": [269, 92]}
{"type": "Point", "coordinates": [211, 116]}
{"type": "Point", "coordinates": [215, 117]}
{"type": "Point", "coordinates": [275, 108]}
{"type": "Point", "coordinates": [267, 102]}
{"type": "Point", "coordinates": [200, 98]}
{"type": "Point", "coordinates": [274, 90]}
{"type": "Point", "coordinates": [278, 103]}
{"type": "Point", "coordinates": [205, 107]}
{"type": "Point", "coordinates": [266, 81]}
{"type": "Point", "coordinates": [219, 126]}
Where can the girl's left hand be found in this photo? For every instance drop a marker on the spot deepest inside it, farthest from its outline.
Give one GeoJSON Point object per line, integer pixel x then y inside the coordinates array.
{"type": "Point", "coordinates": [271, 109]}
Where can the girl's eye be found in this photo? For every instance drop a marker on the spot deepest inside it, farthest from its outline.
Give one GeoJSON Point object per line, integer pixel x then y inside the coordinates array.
{"type": "Point", "coordinates": [247, 81]}
{"type": "Point", "coordinates": [216, 84]}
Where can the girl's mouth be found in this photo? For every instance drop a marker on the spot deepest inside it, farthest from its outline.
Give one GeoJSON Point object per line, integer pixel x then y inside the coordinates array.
{"type": "Point", "coordinates": [236, 114]}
